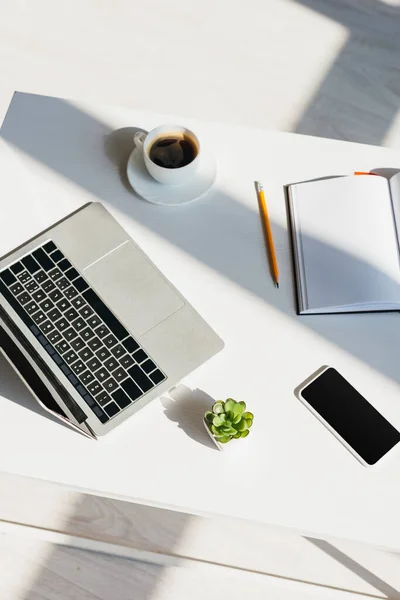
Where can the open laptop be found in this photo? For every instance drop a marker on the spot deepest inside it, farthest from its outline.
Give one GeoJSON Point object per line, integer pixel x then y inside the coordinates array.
{"type": "Point", "coordinates": [92, 326]}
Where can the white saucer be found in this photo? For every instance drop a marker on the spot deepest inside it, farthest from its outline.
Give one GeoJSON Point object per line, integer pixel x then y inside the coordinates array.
{"type": "Point", "coordinates": [171, 195]}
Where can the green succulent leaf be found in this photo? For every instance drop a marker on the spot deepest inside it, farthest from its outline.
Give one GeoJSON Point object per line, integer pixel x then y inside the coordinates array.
{"type": "Point", "coordinates": [228, 430]}
{"type": "Point", "coordinates": [248, 415]}
{"type": "Point", "coordinates": [218, 407]}
{"type": "Point", "coordinates": [239, 409]}
{"type": "Point", "coordinates": [237, 420]}
{"type": "Point", "coordinates": [209, 416]}
{"type": "Point", "coordinates": [244, 433]}
{"type": "Point", "coordinates": [224, 440]}
{"type": "Point", "coordinates": [214, 430]}
{"type": "Point", "coordinates": [217, 421]}
{"type": "Point", "coordinates": [242, 425]}
{"type": "Point", "coordinates": [229, 406]}
{"type": "Point", "coordinates": [237, 435]}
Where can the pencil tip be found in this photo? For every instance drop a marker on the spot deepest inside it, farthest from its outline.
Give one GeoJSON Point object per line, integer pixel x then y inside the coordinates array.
{"type": "Point", "coordinates": [277, 285]}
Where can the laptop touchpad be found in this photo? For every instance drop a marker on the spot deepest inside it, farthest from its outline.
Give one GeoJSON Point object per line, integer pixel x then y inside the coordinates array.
{"type": "Point", "coordinates": [133, 288]}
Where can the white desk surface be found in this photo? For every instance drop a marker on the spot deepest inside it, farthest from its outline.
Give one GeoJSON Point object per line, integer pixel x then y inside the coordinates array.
{"type": "Point", "coordinates": [57, 155]}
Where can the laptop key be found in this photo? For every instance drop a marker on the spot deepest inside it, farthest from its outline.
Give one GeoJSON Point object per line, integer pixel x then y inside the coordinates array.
{"type": "Point", "coordinates": [86, 312]}
{"type": "Point", "coordinates": [79, 324]}
{"type": "Point", "coordinates": [86, 377]}
{"type": "Point", "coordinates": [71, 274]}
{"type": "Point", "coordinates": [46, 327]}
{"type": "Point", "coordinates": [156, 377]}
{"type": "Point", "coordinates": [39, 317]}
{"type": "Point", "coordinates": [62, 324]}
{"type": "Point", "coordinates": [130, 387]}
{"type": "Point", "coordinates": [139, 356]}
{"type": "Point", "coordinates": [77, 302]}
{"type": "Point", "coordinates": [55, 274]}
{"type": "Point", "coordinates": [70, 357]}
{"type": "Point", "coordinates": [17, 268]}
{"type": "Point", "coordinates": [16, 289]}
{"type": "Point", "coordinates": [31, 286]}
{"type": "Point", "coordinates": [93, 321]}
{"type": "Point", "coordinates": [31, 264]}
{"type": "Point", "coordinates": [110, 341]}
{"type": "Point", "coordinates": [80, 284]}
{"type": "Point", "coordinates": [56, 256]}
{"type": "Point", "coordinates": [103, 353]}
{"type": "Point", "coordinates": [94, 387]}
{"type": "Point", "coordinates": [130, 344]}
{"type": "Point", "coordinates": [86, 353]}
{"type": "Point", "coordinates": [111, 409]}
{"type": "Point", "coordinates": [40, 276]}
{"type": "Point", "coordinates": [78, 367]}
{"type": "Point", "coordinates": [39, 295]}
{"type": "Point", "coordinates": [70, 334]}
{"type": "Point", "coordinates": [118, 351]}
{"type": "Point", "coordinates": [24, 276]}
{"type": "Point", "coordinates": [102, 331]}
{"type": "Point", "coordinates": [87, 334]}
{"type": "Point", "coordinates": [64, 264]}
{"type": "Point", "coordinates": [48, 287]}
{"type": "Point", "coordinates": [62, 347]}
{"type": "Point", "coordinates": [120, 374]}
{"type": "Point", "coordinates": [140, 378]}
{"type": "Point", "coordinates": [54, 314]}
{"type": "Point", "coordinates": [46, 305]}
{"type": "Point", "coordinates": [31, 307]}
{"type": "Point", "coordinates": [54, 337]}
{"type": "Point", "coordinates": [93, 364]}
{"type": "Point", "coordinates": [8, 277]}
{"type": "Point", "coordinates": [111, 364]}
{"type": "Point", "coordinates": [62, 283]}
{"type": "Point", "coordinates": [127, 361]}
{"type": "Point", "coordinates": [71, 314]}
{"type": "Point", "coordinates": [45, 262]}
{"type": "Point", "coordinates": [148, 366]}
{"type": "Point", "coordinates": [70, 293]}
{"type": "Point", "coordinates": [77, 344]}
{"type": "Point", "coordinates": [94, 343]}
{"type": "Point", "coordinates": [50, 247]}
{"type": "Point", "coordinates": [110, 385]}
{"type": "Point", "coordinates": [103, 398]}
{"type": "Point", "coordinates": [24, 298]}
{"type": "Point", "coordinates": [121, 398]}
{"type": "Point", "coordinates": [63, 304]}
{"type": "Point", "coordinates": [102, 374]}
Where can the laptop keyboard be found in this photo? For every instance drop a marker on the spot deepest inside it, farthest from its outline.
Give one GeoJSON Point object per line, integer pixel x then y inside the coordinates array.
{"type": "Point", "coordinates": [104, 363]}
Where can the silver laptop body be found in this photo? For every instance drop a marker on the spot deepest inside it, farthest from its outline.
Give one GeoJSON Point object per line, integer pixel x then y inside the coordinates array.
{"type": "Point", "coordinates": [101, 327]}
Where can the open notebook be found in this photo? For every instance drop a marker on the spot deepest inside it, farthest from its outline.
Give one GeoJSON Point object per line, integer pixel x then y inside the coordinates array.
{"type": "Point", "coordinates": [346, 243]}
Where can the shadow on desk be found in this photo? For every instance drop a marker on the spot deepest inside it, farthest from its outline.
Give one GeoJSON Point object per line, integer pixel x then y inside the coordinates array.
{"type": "Point", "coordinates": [13, 389]}
{"type": "Point", "coordinates": [186, 407]}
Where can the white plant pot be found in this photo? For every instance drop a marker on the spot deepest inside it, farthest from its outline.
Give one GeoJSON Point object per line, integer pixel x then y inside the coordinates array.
{"type": "Point", "coordinates": [216, 442]}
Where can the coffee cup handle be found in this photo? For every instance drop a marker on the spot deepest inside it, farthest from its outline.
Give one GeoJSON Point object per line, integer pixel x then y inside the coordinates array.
{"type": "Point", "coordinates": [139, 138]}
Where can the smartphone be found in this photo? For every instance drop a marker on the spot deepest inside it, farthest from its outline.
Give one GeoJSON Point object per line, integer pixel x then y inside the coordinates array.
{"type": "Point", "coordinates": [349, 416]}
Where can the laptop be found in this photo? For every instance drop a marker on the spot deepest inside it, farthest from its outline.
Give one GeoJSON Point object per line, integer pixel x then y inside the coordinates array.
{"type": "Point", "coordinates": [91, 325]}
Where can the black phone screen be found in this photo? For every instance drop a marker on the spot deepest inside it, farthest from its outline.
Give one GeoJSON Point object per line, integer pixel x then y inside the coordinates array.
{"type": "Point", "coordinates": [351, 416]}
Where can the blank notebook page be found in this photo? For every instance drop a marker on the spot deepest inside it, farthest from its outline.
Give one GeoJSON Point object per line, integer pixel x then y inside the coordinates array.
{"type": "Point", "coordinates": [346, 239]}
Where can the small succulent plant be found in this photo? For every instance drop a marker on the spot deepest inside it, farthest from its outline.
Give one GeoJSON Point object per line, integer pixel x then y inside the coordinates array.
{"type": "Point", "coordinates": [229, 420]}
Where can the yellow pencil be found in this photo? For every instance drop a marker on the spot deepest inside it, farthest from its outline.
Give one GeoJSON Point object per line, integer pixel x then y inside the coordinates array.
{"type": "Point", "coordinates": [268, 232]}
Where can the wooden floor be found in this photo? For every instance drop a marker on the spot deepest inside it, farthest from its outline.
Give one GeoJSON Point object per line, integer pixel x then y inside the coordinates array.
{"type": "Point", "coordinates": [318, 67]}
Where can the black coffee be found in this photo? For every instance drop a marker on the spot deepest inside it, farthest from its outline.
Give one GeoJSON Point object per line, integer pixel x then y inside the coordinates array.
{"type": "Point", "coordinates": [173, 150]}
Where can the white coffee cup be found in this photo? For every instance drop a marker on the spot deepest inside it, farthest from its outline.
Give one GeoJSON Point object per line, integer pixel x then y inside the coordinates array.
{"type": "Point", "coordinates": [144, 141]}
